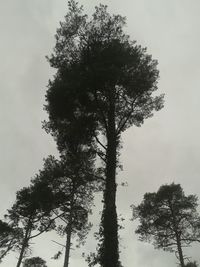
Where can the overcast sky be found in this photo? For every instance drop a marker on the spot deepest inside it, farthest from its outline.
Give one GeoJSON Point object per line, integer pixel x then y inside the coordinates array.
{"type": "Point", "coordinates": [165, 149]}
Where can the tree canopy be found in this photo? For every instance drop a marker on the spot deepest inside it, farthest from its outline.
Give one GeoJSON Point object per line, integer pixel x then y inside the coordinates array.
{"type": "Point", "coordinates": [169, 219]}
{"type": "Point", "coordinates": [10, 237]}
{"type": "Point", "coordinates": [31, 212]}
{"type": "Point", "coordinates": [71, 181]}
{"type": "Point", "coordinates": [34, 262]}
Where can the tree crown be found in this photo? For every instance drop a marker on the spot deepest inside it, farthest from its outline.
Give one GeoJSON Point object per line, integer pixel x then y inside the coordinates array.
{"type": "Point", "coordinates": [165, 214]}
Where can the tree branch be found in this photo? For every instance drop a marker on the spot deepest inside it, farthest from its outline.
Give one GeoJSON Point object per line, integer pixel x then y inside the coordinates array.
{"type": "Point", "coordinates": [58, 243]}
{"type": "Point", "coordinates": [48, 225]}
{"type": "Point", "coordinates": [101, 112]}
{"type": "Point", "coordinates": [101, 156]}
{"type": "Point", "coordinates": [120, 127]}
{"type": "Point", "coordinates": [99, 142]}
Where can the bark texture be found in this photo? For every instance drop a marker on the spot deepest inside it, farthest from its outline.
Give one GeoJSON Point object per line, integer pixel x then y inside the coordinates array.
{"type": "Point", "coordinates": [110, 225]}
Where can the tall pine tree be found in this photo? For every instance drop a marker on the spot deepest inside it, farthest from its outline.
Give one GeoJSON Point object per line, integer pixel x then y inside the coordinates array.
{"type": "Point", "coordinates": [106, 82]}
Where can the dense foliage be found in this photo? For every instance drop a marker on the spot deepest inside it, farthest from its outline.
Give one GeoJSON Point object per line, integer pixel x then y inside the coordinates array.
{"type": "Point", "coordinates": [169, 219]}
{"type": "Point", "coordinates": [34, 262]}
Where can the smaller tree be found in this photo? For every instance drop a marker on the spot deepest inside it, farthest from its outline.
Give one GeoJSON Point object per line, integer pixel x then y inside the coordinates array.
{"type": "Point", "coordinates": [71, 179]}
{"type": "Point", "coordinates": [34, 262]}
{"type": "Point", "coordinates": [10, 236]}
{"type": "Point", "coordinates": [192, 264]}
{"type": "Point", "coordinates": [168, 219]}
{"type": "Point", "coordinates": [31, 212]}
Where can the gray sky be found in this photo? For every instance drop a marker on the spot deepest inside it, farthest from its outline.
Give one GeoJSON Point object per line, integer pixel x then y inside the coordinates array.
{"type": "Point", "coordinates": [165, 149]}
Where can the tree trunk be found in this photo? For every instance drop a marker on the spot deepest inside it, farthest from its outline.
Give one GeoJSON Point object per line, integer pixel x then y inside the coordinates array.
{"type": "Point", "coordinates": [68, 241]}
{"type": "Point", "coordinates": [178, 240]}
{"type": "Point", "coordinates": [110, 252]}
{"type": "Point", "coordinates": [180, 252]}
{"type": "Point", "coordinates": [24, 244]}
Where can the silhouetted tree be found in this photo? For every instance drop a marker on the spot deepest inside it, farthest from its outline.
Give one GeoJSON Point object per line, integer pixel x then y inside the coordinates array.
{"type": "Point", "coordinates": [34, 262]}
{"type": "Point", "coordinates": [191, 264]}
{"type": "Point", "coordinates": [169, 219]}
{"type": "Point", "coordinates": [105, 82]}
{"type": "Point", "coordinates": [72, 178]}
{"type": "Point", "coordinates": [74, 218]}
{"type": "Point", "coordinates": [10, 236]}
{"type": "Point", "coordinates": [32, 212]}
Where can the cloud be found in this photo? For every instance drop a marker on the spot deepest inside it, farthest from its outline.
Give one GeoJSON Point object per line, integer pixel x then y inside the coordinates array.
{"type": "Point", "coordinates": [164, 149]}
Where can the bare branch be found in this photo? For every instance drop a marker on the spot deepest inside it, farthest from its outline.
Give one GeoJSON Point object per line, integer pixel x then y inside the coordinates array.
{"type": "Point", "coordinates": [99, 142]}
{"type": "Point", "coordinates": [58, 243]}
